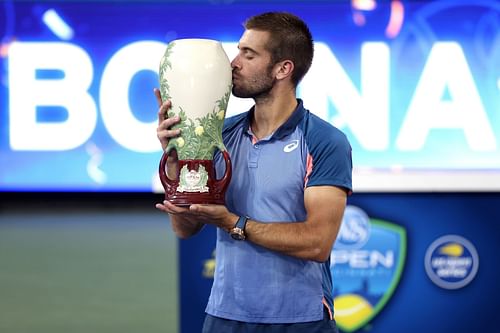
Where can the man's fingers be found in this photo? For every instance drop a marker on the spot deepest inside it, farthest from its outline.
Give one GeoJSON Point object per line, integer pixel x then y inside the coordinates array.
{"type": "Point", "coordinates": [161, 207]}
{"type": "Point", "coordinates": [163, 112]}
{"type": "Point", "coordinates": [170, 208]}
{"type": "Point", "coordinates": [173, 209]}
{"type": "Point", "coordinates": [205, 210]}
{"type": "Point", "coordinates": [158, 96]}
{"type": "Point", "coordinates": [166, 124]}
{"type": "Point", "coordinates": [163, 132]}
{"type": "Point", "coordinates": [163, 106]}
{"type": "Point", "coordinates": [197, 208]}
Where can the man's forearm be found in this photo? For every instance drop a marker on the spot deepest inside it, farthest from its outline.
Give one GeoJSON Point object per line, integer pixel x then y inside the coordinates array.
{"type": "Point", "coordinates": [297, 239]}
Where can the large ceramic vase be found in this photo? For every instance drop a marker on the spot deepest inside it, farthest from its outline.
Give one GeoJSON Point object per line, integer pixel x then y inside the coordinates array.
{"type": "Point", "coordinates": [195, 75]}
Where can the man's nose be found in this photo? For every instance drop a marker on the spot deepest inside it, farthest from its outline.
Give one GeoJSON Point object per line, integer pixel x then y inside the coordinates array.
{"type": "Point", "coordinates": [235, 63]}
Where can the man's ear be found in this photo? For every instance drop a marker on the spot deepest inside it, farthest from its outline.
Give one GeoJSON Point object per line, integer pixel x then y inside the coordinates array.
{"type": "Point", "coordinates": [284, 69]}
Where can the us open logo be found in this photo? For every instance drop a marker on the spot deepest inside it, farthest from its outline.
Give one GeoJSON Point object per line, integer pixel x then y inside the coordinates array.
{"type": "Point", "coordinates": [366, 265]}
{"type": "Point", "coordinates": [451, 262]}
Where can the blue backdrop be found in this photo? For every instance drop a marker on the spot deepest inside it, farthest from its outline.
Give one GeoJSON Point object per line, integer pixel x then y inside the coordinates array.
{"type": "Point", "coordinates": [416, 304]}
{"type": "Point", "coordinates": [414, 85]}
{"type": "Point", "coordinates": [415, 82]}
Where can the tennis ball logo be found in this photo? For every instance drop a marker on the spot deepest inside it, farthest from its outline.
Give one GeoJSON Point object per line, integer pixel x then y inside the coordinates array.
{"type": "Point", "coordinates": [350, 310]}
{"type": "Point", "coordinates": [453, 250]}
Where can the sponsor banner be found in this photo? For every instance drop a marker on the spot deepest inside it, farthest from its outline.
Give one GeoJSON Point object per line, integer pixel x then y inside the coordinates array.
{"type": "Point", "coordinates": [366, 265]}
{"type": "Point", "coordinates": [380, 279]}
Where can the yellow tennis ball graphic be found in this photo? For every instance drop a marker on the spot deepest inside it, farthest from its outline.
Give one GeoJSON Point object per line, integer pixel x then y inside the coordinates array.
{"type": "Point", "coordinates": [453, 249]}
{"type": "Point", "coordinates": [351, 310]}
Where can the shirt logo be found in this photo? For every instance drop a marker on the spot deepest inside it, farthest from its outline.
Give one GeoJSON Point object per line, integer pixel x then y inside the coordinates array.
{"type": "Point", "coordinates": [291, 146]}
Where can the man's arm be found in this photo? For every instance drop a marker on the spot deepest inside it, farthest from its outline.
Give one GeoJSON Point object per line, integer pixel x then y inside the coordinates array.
{"type": "Point", "coordinates": [311, 239]}
{"type": "Point", "coordinates": [183, 223]}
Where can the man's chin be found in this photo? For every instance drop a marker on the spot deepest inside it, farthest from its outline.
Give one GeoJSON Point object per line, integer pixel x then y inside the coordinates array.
{"type": "Point", "coordinates": [239, 94]}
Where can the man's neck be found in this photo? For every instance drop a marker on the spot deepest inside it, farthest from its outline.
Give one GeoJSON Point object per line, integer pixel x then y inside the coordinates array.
{"type": "Point", "coordinates": [272, 112]}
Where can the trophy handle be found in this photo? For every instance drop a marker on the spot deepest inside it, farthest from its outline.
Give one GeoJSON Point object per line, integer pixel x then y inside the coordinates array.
{"type": "Point", "coordinates": [221, 184]}
{"type": "Point", "coordinates": [168, 184]}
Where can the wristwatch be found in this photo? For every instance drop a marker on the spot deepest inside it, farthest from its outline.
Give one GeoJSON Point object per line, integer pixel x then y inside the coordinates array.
{"type": "Point", "coordinates": [238, 231]}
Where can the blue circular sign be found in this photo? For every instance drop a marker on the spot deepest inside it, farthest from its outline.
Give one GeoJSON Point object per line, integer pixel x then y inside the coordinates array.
{"type": "Point", "coordinates": [451, 262]}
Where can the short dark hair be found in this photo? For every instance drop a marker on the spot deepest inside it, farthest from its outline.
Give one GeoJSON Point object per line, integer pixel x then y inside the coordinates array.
{"type": "Point", "coordinates": [290, 38]}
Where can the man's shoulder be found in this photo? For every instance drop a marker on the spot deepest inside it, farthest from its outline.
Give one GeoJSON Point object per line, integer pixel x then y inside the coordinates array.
{"type": "Point", "coordinates": [318, 130]}
{"type": "Point", "coordinates": [232, 122]}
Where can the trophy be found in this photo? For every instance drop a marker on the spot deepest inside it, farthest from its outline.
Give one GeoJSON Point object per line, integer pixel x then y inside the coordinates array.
{"type": "Point", "coordinates": [196, 76]}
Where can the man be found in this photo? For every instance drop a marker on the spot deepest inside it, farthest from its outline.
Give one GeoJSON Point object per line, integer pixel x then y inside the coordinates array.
{"type": "Point", "coordinates": [290, 179]}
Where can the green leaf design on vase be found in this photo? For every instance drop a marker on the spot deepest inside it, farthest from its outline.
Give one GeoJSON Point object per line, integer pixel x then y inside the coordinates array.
{"type": "Point", "coordinates": [164, 65]}
{"type": "Point", "coordinates": [200, 137]}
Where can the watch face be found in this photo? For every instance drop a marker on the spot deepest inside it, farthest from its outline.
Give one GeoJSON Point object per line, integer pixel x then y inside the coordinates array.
{"type": "Point", "coordinates": [238, 234]}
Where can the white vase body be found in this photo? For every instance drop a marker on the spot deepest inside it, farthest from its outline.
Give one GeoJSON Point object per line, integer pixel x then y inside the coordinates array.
{"type": "Point", "coordinates": [196, 76]}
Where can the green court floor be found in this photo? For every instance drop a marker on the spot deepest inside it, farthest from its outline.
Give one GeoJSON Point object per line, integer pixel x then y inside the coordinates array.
{"type": "Point", "coordinates": [87, 269]}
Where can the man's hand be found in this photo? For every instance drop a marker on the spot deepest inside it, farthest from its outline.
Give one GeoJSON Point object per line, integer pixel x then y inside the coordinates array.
{"type": "Point", "coordinates": [216, 215]}
{"type": "Point", "coordinates": [164, 131]}
{"type": "Point", "coordinates": [187, 221]}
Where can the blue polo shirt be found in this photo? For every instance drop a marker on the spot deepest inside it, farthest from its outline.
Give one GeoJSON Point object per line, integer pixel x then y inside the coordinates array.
{"type": "Point", "coordinates": [269, 176]}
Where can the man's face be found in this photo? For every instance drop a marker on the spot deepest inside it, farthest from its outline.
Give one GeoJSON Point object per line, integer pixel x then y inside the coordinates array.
{"type": "Point", "coordinates": [252, 70]}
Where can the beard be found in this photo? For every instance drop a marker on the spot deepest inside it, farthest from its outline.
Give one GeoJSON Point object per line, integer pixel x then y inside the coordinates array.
{"type": "Point", "coordinates": [256, 87]}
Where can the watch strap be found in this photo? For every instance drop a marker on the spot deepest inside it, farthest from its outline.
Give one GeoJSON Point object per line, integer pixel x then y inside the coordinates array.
{"type": "Point", "coordinates": [238, 231]}
{"type": "Point", "coordinates": [241, 223]}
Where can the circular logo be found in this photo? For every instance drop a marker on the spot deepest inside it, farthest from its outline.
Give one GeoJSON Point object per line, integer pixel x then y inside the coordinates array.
{"type": "Point", "coordinates": [451, 262]}
{"type": "Point", "coordinates": [354, 230]}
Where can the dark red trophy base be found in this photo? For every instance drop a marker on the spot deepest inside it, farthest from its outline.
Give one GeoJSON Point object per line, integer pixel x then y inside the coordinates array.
{"type": "Point", "coordinates": [216, 187]}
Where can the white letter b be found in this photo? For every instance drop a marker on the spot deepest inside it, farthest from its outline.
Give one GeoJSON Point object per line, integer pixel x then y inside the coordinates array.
{"type": "Point", "coordinates": [26, 92]}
